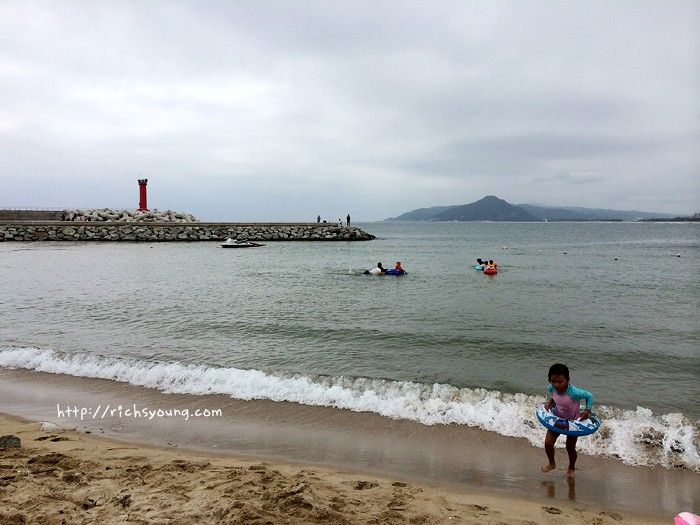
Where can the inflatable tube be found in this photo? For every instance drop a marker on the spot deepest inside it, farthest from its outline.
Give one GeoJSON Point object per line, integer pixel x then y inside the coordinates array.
{"type": "Point", "coordinates": [478, 268]}
{"type": "Point", "coordinates": [686, 518]}
{"type": "Point", "coordinates": [552, 422]}
{"type": "Point", "coordinates": [394, 271]}
{"type": "Point", "coordinates": [490, 271]}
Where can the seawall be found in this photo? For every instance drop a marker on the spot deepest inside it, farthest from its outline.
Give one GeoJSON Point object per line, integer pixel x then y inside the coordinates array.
{"type": "Point", "coordinates": [168, 231]}
{"type": "Point", "coordinates": [31, 215]}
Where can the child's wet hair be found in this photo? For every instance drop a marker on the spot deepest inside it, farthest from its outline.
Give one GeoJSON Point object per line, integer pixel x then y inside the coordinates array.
{"type": "Point", "coordinates": [557, 369]}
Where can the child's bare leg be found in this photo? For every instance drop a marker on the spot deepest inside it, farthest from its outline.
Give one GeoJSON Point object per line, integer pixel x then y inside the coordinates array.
{"type": "Point", "coordinates": [571, 450]}
{"type": "Point", "coordinates": [549, 441]}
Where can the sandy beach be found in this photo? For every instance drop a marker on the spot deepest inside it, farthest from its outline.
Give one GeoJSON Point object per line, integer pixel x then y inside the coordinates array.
{"type": "Point", "coordinates": [63, 477]}
{"type": "Point", "coordinates": [272, 462]}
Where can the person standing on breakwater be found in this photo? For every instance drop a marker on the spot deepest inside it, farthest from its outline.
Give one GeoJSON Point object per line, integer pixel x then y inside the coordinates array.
{"type": "Point", "coordinates": [565, 399]}
{"type": "Point", "coordinates": [348, 219]}
{"type": "Point", "coordinates": [318, 219]}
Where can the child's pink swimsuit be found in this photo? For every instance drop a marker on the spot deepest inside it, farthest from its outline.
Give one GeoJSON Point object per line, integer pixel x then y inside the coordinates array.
{"type": "Point", "coordinates": [568, 404]}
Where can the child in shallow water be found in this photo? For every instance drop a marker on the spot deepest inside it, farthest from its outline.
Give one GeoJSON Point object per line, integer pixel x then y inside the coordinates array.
{"type": "Point", "coordinates": [564, 400]}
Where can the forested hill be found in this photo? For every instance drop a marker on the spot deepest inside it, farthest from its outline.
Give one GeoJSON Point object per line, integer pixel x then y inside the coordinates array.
{"type": "Point", "coordinates": [492, 208]}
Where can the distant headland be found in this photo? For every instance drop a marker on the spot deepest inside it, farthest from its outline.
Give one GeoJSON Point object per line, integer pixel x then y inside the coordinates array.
{"type": "Point", "coordinates": [492, 208]}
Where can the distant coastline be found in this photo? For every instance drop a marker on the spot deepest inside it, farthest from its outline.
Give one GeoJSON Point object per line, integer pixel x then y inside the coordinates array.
{"type": "Point", "coordinates": [674, 219]}
{"type": "Point", "coordinates": [495, 209]}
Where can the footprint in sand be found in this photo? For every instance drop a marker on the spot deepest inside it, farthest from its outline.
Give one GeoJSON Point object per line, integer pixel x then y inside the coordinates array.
{"type": "Point", "coordinates": [55, 459]}
{"type": "Point", "coordinates": [364, 485]}
{"type": "Point", "coordinates": [611, 515]}
{"type": "Point", "coordinates": [398, 501]}
{"type": "Point", "coordinates": [53, 438]}
{"type": "Point", "coordinates": [391, 516]}
{"type": "Point", "coordinates": [71, 477]}
{"type": "Point", "coordinates": [186, 466]}
{"type": "Point", "coordinates": [552, 510]}
{"type": "Point", "coordinates": [337, 503]}
{"type": "Point", "coordinates": [124, 501]}
{"type": "Point", "coordinates": [310, 474]}
{"type": "Point", "coordinates": [400, 498]}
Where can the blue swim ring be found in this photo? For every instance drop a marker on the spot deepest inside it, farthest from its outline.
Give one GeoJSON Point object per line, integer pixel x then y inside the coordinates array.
{"type": "Point", "coordinates": [394, 271]}
{"type": "Point", "coordinates": [478, 268]}
{"type": "Point", "coordinates": [552, 422]}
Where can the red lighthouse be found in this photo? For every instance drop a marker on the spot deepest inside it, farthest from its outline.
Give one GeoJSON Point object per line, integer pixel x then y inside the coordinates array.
{"type": "Point", "coordinates": [143, 205]}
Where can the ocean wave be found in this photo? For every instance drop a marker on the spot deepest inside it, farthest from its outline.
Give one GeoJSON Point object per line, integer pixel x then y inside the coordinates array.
{"type": "Point", "coordinates": [636, 437]}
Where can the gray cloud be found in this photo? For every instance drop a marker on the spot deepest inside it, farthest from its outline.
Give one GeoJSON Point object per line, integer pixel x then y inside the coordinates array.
{"type": "Point", "coordinates": [278, 110]}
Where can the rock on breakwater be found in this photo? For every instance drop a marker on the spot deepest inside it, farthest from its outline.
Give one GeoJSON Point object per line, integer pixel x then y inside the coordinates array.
{"type": "Point", "coordinates": [97, 215]}
{"type": "Point", "coordinates": [110, 215]}
{"type": "Point", "coordinates": [156, 232]}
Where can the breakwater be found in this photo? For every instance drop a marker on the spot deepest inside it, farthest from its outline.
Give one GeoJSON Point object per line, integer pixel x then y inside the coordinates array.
{"type": "Point", "coordinates": [168, 231]}
{"type": "Point", "coordinates": [31, 215]}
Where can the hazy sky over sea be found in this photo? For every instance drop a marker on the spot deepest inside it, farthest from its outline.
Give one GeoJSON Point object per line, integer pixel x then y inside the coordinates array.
{"type": "Point", "coordinates": [279, 110]}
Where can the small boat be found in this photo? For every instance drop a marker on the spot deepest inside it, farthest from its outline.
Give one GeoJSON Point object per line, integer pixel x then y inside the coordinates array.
{"type": "Point", "coordinates": [235, 243]}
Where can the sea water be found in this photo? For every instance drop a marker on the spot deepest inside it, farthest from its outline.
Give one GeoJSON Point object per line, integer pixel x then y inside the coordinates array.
{"type": "Point", "coordinates": [444, 344]}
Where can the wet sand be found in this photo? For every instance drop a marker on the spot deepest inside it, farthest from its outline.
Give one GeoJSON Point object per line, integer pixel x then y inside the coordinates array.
{"type": "Point", "coordinates": [454, 460]}
{"type": "Point", "coordinates": [61, 477]}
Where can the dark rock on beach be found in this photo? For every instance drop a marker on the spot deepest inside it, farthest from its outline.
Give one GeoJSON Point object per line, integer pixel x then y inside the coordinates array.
{"type": "Point", "coordinates": [10, 442]}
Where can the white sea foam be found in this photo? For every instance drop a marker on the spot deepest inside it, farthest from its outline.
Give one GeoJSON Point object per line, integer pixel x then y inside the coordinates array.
{"type": "Point", "coordinates": [636, 437]}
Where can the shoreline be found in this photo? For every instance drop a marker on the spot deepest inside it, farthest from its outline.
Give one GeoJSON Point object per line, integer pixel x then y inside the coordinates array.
{"type": "Point", "coordinates": [454, 458]}
{"type": "Point", "coordinates": [65, 476]}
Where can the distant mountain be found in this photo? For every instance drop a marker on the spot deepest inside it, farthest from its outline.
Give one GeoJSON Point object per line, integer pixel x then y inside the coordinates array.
{"type": "Point", "coordinates": [542, 213]}
{"type": "Point", "coordinates": [491, 208]}
{"type": "Point", "coordinates": [551, 213]}
{"type": "Point", "coordinates": [422, 214]}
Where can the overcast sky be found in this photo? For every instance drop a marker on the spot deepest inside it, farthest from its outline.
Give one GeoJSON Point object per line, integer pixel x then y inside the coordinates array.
{"type": "Point", "coordinates": [265, 110]}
